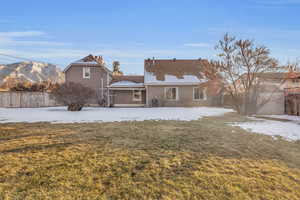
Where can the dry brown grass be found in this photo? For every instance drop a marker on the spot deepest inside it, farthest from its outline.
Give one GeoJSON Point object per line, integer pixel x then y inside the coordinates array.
{"type": "Point", "coordinates": [203, 159]}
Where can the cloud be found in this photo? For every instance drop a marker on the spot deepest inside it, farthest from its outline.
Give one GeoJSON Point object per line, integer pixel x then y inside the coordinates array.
{"type": "Point", "coordinates": [21, 34]}
{"type": "Point", "coordinates": [196, 45]}
{"type": "Point", "coordinates": [17, 39]}
{"type": "Point", "coordinates": [278, 2]}
{"type": "Point", "coordinates": [254, 32]}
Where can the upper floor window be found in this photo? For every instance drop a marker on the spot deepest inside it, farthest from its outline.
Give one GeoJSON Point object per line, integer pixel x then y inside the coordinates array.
{"type": "Point", "coordinates": [86, 72]}
{"type": "Point", "coordinates": [171, 93]}
{"type": "Point", "coordinates": [199, 93]}
{"type": "Point", "coordinates": [137, 95]}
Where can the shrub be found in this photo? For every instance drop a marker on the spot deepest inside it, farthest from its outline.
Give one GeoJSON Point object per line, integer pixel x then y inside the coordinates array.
{"type": "Point", "coordinates": [74, 95]}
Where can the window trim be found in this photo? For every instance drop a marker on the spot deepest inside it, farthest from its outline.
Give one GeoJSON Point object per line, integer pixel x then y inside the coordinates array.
{"type": "Point", "coordinates": [84, 72]}
{"type": "Point", "coordinates": [204, 94]}
{"type": "Point", "coordinates": [133, 95]}
{"type": "Point", "coordinates": [177, 93]}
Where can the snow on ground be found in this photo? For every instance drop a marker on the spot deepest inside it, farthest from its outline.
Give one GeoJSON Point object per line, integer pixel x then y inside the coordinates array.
{"type": "Point", "coordinates": [287, 117]}
{"type": "Point", "coordinates": [287, 130]}
{"type": "Point", "coordinates": [61, 115]}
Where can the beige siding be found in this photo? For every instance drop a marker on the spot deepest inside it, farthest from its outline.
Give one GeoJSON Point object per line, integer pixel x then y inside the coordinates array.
{"type": "Point", "coordinates": [75, 74]}
{"type": "Point", "coordinates": [275, 105]}
{"type": "Point", "coordinates": [185, 96]}
{"type": "Point", "coordinates": [126, 97]}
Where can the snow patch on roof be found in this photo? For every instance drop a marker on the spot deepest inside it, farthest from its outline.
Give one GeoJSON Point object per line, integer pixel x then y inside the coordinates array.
{"type": "Point", "coordinates": [126, 83]}
{"type": "Point", "coordinates": [83, 62]}
{"type": "Point", "coordinates": [150, 78]}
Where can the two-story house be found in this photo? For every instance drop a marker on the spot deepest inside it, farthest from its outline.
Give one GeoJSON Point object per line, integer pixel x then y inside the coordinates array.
{"type": "Point", "coordinates": [169, 82]}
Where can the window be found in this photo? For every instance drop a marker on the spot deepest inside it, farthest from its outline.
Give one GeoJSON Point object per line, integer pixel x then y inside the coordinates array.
{"type": "Point", "coordinates": [171, 93]}
{"type": "Point", "coordinates": [296, 80]}
{"type": "Point", "coordinates": [199, 94]}
{"type": "Point", "coordinates": [137, 95]}
{"type": "Point", "coordinates": [86, 72]}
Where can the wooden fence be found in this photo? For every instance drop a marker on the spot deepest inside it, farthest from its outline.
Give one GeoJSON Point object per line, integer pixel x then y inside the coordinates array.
{"type": "Point", "coordinates": [26, 100]}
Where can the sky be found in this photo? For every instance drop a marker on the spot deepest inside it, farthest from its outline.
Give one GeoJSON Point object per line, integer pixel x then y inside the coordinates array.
{"type": "Point", "coordinates": [62, 31]}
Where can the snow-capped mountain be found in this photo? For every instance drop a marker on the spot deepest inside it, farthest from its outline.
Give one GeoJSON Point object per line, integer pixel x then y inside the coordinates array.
{"type": "Point", "coordinates": [31, 71]}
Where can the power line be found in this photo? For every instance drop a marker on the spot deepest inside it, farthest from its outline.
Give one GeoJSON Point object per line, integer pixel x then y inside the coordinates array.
{"type": "Point", "coordinates": [16, 57]}
{"type": "Point", "coordinates": [25, 59]}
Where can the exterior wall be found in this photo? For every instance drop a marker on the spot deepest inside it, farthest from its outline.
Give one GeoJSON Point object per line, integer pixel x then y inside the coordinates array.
{"type": "Point", "coordinates": [26, 100]}
{"type": "Point", "coordinates": [185, 96]}
{"type": "Point", "coordinates": [275, 106]}
{"type": "Point", "coordinates": [75, 74]}
{"type": "Point", "coordinates": [126, 97]}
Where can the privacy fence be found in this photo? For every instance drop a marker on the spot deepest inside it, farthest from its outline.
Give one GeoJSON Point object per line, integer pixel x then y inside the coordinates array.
{"type": "Point", "coordinates": [26, 100]}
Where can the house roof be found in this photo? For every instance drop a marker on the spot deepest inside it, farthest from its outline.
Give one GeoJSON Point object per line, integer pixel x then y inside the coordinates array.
{"type": "Point", "coordinates": [131, 78]}
{"type": "Point", "coordinates": [90, 60]}
{"type": "Point", "coordinates": [173, 71]}
{"type": "Point", "coordinates": [129, 81]}
{"type": "Point", "coordinates": [127, 84]}
{"type": "Point", "coordinates": [278, 75]}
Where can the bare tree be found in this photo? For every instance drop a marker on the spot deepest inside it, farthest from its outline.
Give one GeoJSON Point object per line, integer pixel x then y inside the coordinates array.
{"type": "Point", "coordinates": [74, 95]}
{"type": "Point", "coordinates": [242, 65]}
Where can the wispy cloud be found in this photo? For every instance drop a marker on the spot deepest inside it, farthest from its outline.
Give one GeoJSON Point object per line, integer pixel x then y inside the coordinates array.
{"type": "Point", "coordinates": [22, 34]}
{"type": "Point", "coordinates": [251, 32]}
{"type": "Point", "coordinates": [196, 44]}
{"type": "Point", "coordinates": [21, 38]}
{"type": "Point", "coordinates": [278, 2]}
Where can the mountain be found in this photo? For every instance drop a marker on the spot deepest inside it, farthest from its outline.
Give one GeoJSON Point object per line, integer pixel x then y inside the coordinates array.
{"type": "Point", "coordinates": [31, 71]}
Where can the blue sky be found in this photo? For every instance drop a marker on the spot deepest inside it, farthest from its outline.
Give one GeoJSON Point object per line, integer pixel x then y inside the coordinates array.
{"type": "Point", "coordinates": [133, 30]}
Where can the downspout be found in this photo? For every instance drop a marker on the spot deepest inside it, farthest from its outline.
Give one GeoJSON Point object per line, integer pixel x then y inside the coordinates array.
{"type": "Point", "coordinates": [147, 103]}
{"type": "Point", "coordinates": [107, 86]}
{"type": "Point", "coordinates": [102, 94]}
{"type": "Point", "coordinates": [108, 97]}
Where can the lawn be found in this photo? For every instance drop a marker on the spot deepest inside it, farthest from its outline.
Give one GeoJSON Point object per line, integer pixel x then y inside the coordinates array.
{"type": "Point", "coordinates": [200, 159]}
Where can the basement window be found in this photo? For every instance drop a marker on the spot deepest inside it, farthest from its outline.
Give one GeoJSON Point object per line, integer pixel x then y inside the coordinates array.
{"type": "Point", "coordinates": [86, 72]}
{"type": "Point", "coordinates": [198, 94]}
{"type": "Point", "coordinates": [137, 95]}
{"type": "Point", "coordinates": [171, 93]}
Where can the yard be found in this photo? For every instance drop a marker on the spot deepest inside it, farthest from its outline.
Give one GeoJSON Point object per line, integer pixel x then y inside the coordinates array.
{"type": "Point", "coordinates": [204, 158]}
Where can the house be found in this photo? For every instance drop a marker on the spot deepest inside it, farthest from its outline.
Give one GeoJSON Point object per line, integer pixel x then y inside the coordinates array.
{"type": "Point", "coordinates": [169, 82]}
{"type": "Point", "coordinates": [91, 72]}
{"type": "Point", "coordinates": [272, 93]}
{"type": "Point", "coordinates": [281, 89]}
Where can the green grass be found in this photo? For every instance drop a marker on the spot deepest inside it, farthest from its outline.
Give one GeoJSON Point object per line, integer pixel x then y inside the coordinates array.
{"type": "Point", "coordinates": [204, 159]}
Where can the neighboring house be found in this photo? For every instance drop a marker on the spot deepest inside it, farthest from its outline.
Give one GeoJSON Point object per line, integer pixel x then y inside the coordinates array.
{"type": "Point", "coordinates": [92, 72]}
{"type": "Point", "coordinates": [275, 89]}
{"type": "Point", "coordinates": [165, 83]}
{"type": "Point", "coordinates": [271, 93]}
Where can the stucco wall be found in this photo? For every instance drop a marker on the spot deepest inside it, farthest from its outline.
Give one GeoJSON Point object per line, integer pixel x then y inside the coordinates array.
{"type": "Point", "coordinates": [275, 106]}
{"type": "Point", "coordinates": [185, 96]}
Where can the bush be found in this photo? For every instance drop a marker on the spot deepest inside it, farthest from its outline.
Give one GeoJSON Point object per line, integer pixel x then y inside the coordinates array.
{"type": "Point", "coordinates": [26, 86]}
{"type": "Point", "coordinates": [74, 95]}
